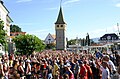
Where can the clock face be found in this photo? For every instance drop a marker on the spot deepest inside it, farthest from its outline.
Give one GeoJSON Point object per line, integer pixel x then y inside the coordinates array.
{"type": "Point", "coordinates": [108, 37]}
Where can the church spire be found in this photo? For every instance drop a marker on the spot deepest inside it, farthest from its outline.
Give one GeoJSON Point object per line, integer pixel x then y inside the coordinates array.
{"type": "Point", "coordinates": [1, 1]}
{"type": "Point", "coordinates": [60, 19]}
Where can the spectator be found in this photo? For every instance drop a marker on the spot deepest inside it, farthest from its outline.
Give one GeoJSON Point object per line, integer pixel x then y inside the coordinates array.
{"type": "Point", "coordinates": [83, 71]}
{"type": "Point", "coordinates": [90, 74]}
{"type": "Point", "coordinates": [28, 69]}
{"type": "Point", "coordinates": [21, 69]}
{"type": "Point", "coordinates": [105, 70]}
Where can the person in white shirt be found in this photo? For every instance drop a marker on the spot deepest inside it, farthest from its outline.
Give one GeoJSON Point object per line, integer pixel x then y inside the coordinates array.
{"type": "Point", "coordinates": [28, 70]}
{"type": "Point", "coordinates": [110, 64]}
{"type": "Point", "coordinates": [105, 70]}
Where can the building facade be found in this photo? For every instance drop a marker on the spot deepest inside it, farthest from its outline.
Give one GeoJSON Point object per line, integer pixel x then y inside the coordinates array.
{"type": "Point", "coordinates": [4, 16]}
{"type": "Point", "coordinates": [60, 29]}
{"type": "Point", "coordinates": [14, 34]}
{"type": "Point", "coordinates": [49, 39]}
{"type": "Point", "coordinates": [112, 38]}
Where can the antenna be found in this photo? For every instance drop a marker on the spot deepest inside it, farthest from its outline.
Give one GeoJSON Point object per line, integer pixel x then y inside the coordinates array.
{"type": "Point", "coordinates": [118, 28]}
{"type": "Point", "coordinates": [60, 3]}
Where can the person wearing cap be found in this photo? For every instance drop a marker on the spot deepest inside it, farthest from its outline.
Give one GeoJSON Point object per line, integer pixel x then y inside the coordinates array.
{"type": "Point", "coordinates": [68, 71]}
{"type": "Point", "coordinates": [28, 70]}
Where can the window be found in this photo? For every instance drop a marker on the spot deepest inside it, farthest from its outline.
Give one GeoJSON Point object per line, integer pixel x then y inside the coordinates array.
{"type": "Point", "coordinates": [57, 25]}
{"type": "Point", "coordinates": [61, 25]}
{"type": "Point", "coordinates": [113, 38]}
{"type": "Point", "coordinates": [103, 38]}
{"type": "Point", "coordinates": [49, 39]}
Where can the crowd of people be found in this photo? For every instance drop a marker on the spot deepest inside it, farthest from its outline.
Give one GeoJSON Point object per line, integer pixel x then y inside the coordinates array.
{"type": "Point", "coordinates": [61, 65]}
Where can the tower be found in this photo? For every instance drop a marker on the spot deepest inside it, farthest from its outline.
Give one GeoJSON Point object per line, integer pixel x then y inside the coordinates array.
{"type": "Point", "coordinates": [60, 29]}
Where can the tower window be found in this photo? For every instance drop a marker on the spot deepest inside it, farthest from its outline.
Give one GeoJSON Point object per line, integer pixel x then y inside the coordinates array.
{"type": "Point", "coordinates": [61, 25]}
{"type": "Point", "coordinates": [57, 25]}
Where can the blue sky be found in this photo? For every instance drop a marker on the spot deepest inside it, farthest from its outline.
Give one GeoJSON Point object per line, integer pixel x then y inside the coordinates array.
{"type": "Point", "coordinates": [37, 17]}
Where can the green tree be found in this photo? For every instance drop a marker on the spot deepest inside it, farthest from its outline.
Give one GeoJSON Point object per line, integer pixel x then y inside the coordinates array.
{"type": "Point", "coordinates": [27, 44]}
{"type": "Point", "coordinates": [71, 42]}
{"type": "Point", "coordinates": [2, 33]}
{"type": "Point", "coordinates": [50, 46]}
{"type": "Point", "coordinates": [15, 28]}
{"type": "Point", "coordinates": [87, 41]}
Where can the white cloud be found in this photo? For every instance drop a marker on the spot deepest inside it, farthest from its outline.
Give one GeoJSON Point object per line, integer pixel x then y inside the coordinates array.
{"type": "Point", "coordinates": [54, 8]}
{"type": "Point", "coordinates": [22, 1]}
{"type": "Point", "coordinates": [117, 5]}
{"type": "Point", "coordinates": [40, 33]}
{"type": "Point", "coordinates": [71, 1]}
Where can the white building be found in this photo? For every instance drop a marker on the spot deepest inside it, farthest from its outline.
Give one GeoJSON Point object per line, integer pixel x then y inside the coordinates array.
{"type": "Point", "coordinates": [5, 17]}
{"type": "Point", "coordinates": [49, 39]}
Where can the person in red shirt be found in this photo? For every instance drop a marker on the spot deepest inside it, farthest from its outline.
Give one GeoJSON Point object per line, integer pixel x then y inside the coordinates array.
{"type": "Point", "coordinates": [89, 73]}
{"type": "Point", "coordinates": [83, 71]}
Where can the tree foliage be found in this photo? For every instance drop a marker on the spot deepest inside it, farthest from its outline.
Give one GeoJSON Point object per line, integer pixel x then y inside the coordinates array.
{"type": "Point", "coordinates": [82, 42]}
{"type": "Point", "coordinates": [50, 46]}
{"type": "Point", "coordinates": [27, 44]}
{"type": "Point", "coordinates": [71, 42]}
{"type": "Point", "coordinates": [15, 28]}
{"type": "Point", "coordinates": [87, 41]}
{"type": "Point", "coordinates": [2, 33]}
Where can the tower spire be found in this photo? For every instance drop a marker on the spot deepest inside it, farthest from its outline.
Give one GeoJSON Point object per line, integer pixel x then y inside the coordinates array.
{"type": "Point", "coordinates": [60, 19]}
{"type": "Point", "coordinates": [60, 29]}
{"type": "Point", "coordinates": [60, 3]}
